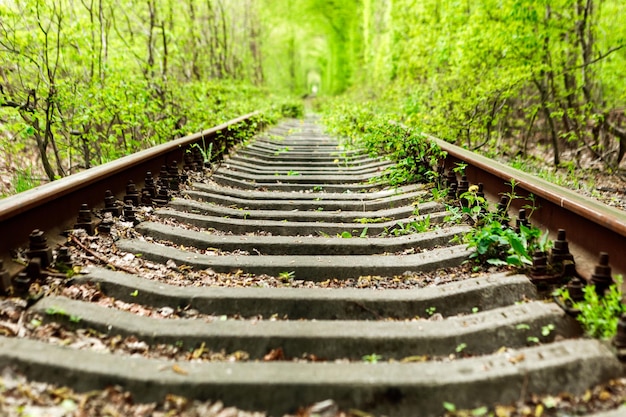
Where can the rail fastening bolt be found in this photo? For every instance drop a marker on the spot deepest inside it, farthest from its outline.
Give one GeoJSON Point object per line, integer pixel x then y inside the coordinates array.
{"type": "Point", "coordinates": [85, 221]}
{"type": "Point", "coordinates": [450, 178]}
{"type": "Point", "coordinates": [601, 277]}
{"type": "Point", "coordinates": [463, 186]}
{"type": "Point", "coordinates": [110, 204]}
{"type": "Point", "coordinates": [130, 214]}
{"type": "Point", "coordinates": [64, 258]}
{"type": "Point", "coordinates": [502, 207]}
{"type": "Point", "coordinates": [521, 219]}
{"type": "Point", "coordinates": [38, 248]}
{"type": "Point", "coordinates": [149, 185]}
{"type": "Point", "coordinates": [575, 289]}
{"type": "Point", "coordinates": [560, 249]}
{"type": "Point", "coordinates": [132, 194]}
{"type": "Point", "coordinates": [540, 263]}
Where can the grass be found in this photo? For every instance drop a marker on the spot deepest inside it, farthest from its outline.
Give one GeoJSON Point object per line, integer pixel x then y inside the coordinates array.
{"type": "Point", "coordinates": [23, 180]}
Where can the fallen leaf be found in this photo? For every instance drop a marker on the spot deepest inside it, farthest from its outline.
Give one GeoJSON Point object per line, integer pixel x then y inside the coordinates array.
{"type": "Point", "coordinates": [416, 358]}
{"type": "Point", "coordinates": [179, 370]}
{"type": "Point", "coordinates": [504, 411]}
{"type": "Point", "coordinates": [517, 359]}
{"type": "Point", "coordinates": [275, 355]}
{"type": "Point", "coordinates": [604, 396]}
{"type": "Point", "coordinates": [550, 401]}
{"type": "Point", "coordinates": [198, 352]}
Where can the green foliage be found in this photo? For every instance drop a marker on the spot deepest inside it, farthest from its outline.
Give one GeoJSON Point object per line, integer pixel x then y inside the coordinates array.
{"type": "Point", "coordinates": [415, 156]}
{"type": "Point", "coordinates": [373, 358]}
{"type": "Point", "coordinates": [286, 276]}
{"type": "Point", "coordinates": [55, 311]}
{"type": "Point", "coordinates": [370, 220]}
{"type": "Point", "coordinates": [88, 85]}
{"type": "Point", "coordinates": [292, 109]}
{"type": "Point", "coordinates": [598, 315]}
{"type": "Point", "coordinates": [493, 240]}
{"type": "Point", "coordinates": [497, 244]}
{"type": "Point", "coordinates": [23, 180]}
{"type": "Point", "coordinates": [503, 76]}
{"type": "Point", "coordinates": [414, 226]}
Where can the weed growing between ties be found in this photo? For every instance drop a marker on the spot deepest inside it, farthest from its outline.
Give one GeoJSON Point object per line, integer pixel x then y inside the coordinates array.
{"type": "Point", "coordinates": [598, 314]}
{"type": "Point", "coordinates": [494, 240]}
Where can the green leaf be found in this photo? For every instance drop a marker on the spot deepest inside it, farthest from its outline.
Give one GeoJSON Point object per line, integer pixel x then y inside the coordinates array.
{"type": "Point", "coordinates": [480, 411]}
{"type": "Point", "coordinates": [513, 260]}
{"type": "Point", "coordinates": [497, 262]}
{"type": "Point", "coordinates": [449, 406]}
{"type": "Point", "coordinates": [517, 245]}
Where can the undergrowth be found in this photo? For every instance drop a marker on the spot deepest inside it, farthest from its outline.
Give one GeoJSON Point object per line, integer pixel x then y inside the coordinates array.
{"type": "Point", "coordinates": [415, 156]}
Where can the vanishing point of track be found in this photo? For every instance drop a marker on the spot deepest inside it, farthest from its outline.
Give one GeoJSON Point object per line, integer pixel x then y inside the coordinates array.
{"type": "Point", "coordinates": [293, 207]}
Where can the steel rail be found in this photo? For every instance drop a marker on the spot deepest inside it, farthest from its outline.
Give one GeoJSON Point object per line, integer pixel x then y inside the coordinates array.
{"type": "Point", "coordinates": [55, 205]}
{"type": "Point", "coordinates": [592, 227]}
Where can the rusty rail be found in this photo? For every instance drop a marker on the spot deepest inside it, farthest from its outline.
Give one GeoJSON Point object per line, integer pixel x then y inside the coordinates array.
{"type": "Point", "coordinates": [592, 227]}
{"type": "Point", "coordinates": [55, 205]}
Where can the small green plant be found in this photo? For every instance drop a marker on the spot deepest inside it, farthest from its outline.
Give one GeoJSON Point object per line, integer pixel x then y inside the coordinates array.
{"type": "Point", "coordinates": [547, 329]}
{"type": "Point", "coordinates": [207, 152]}
{"type": "Point", "coordinates": [23, 180]}
{"type": "Point", "coordinates": [598, 315]}
{"type": "Point", "coordinates": [345, 235]}
{"type": "Point", "coordinates": [449, 406]}
{"type": "Point", "coordinates": [459, 168]}
{"type": "Point", "coordinates": [454, 216]}
{"type": "Point", "coordinates": [370, 220]}
{"type": "Point", "coordinates": [281, 151]}
{"type": "Point", "coordinates": [438, 194]}
{"type": "Point", "coordinates": [460, 347]}
{"type": "Point", "coordinates": [476, 412]}
{"type": "Point", "coordinates": [55, 311]}
{"type": "Point", "coordinates": [373, 358]}
{"type": "Point", "coordinates": [134, 293]}
{"type": "Point", "coordinates": [292, 173]}
{"type": "Point", "coordinates": [431, 310]}
{"type": "Point", "coordinates": [496, 244]}
{"type": "Point", "coordinates": [286, 276]}
{"type": "Point", "coordinates": [473, 205]}
{"type": "Point", "coordinates": [415, 226]}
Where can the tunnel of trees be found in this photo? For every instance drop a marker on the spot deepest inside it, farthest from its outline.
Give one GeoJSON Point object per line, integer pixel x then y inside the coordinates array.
{"type": "Point", "coordinates": [84, 82]}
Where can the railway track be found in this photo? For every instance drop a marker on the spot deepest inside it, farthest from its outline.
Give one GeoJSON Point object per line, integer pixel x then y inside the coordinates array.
{"type": "Point", "coordinates": [285, 278]}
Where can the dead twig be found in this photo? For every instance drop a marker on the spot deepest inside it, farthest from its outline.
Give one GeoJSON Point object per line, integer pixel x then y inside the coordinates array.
{"type": "Point", "coordinates": [100, 257]}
